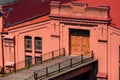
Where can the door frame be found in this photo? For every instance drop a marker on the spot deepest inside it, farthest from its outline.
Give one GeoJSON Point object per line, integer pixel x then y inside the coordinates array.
{"type": "Point", "coordinates": [70, 37]}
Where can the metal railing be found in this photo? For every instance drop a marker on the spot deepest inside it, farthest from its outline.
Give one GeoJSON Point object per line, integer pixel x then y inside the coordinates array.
{"type": "Point", "coordinates": [27, 64]}
{"type": "Point", "coordinates": [44, 57]}
{"type": "Point", "coordinates": [53, 54]}
{"type": "Point", "coordinates": [56, 68]}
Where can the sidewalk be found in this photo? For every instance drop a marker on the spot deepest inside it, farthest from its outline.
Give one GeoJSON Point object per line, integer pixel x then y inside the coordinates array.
{"type": "Point", "coordinates": [24, 74]}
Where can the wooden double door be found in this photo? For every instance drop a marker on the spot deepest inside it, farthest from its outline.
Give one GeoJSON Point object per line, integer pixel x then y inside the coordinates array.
{"type": "Point", "coordinates": [79, 40]}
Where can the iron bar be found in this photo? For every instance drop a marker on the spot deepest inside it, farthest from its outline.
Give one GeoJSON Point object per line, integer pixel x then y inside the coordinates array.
{"type": "Point", "coordinates": [46, 71]}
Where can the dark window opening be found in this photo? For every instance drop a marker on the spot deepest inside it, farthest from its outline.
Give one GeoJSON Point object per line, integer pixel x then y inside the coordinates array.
{"type": "Point", "coordinates": [28, 60]}
{"type": "Point", "coordinates": [38, 44]}
{"type": "Point", "coordinates": [38, 59]}
{"type": "Point", "coordinates": [28, 43]}
{"type": "Point", "coordinates": [80, 32]}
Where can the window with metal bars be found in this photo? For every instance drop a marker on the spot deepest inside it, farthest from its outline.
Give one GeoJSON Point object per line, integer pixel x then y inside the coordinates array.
{"type": "Point", "coordinates": [38, 43]}
{"type": "Point", "coordinates": [28, 43]}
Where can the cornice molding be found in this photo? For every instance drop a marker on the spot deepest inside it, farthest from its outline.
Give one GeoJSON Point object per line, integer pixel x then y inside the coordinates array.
{"type": "Point", "coordinates": [84, 21]}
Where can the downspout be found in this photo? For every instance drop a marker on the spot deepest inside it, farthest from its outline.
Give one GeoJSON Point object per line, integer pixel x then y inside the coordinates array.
{"type": "Point", "coordinates": [62, 36]}
{"type": "Point", "coordinates": [2, 37]}
{"type": "Point", "coordinates": [59, 30]}
{"type": "Point", "coordinates": [59, 39]}
{"type": "Point", "coordinates": [107, 52]}
{"type": "Point", "coordinates": [108, 13]}
{"type": "Point", "coordinates": [14, 56]}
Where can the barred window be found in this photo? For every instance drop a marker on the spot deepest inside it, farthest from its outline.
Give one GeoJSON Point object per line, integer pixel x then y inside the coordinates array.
{"type": "Point", "coordinates": [38, 59]}
{"type": "Point", "coordinates": [38, 43]}
{"type": "Point", "coordinates": [28, 42]}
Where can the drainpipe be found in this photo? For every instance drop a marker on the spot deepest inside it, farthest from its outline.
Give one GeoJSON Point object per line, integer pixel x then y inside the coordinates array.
{"type": "Point", "coordinates": [62, 36]}
{"type": "Point", "coordinates": [108, 13]}
{"type": "Point", "coordinates": [59, 31]}
{"type": "Point", "coordinates": [2, 38]}
{"type": "Point", "coordinates": [59, 39]}
{"type": "Point", "coordinates": [14, 56]}
{"type": "Point", "coordinates": [107, 52]}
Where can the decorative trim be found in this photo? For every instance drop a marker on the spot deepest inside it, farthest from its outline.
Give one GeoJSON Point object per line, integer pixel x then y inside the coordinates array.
{"type": "Point", "coordinates": [28, 50]}
{"type": "Point", "coordinates": [57, 36]}
{"type": "Point", "coordinates": [79, 20]}
{"type": "Point", "coordinates": [38, 51]}
{"type": "Point", "coordinates": [105, 41]}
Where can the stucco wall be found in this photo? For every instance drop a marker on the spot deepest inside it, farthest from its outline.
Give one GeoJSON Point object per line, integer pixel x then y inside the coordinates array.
{"type": "Point", "coordinates": [0, 41]}
{"type": "Point", "coordinates": [113, 53]}
{"type": "Point", "coordinates": [43, 30]}
{"type": "Point", "coordinates": [103, 41]}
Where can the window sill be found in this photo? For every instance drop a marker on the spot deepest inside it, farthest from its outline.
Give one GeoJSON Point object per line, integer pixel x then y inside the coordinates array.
{"type": "Point", "coordinates": [38, 51]}
{"type": "Point", "coordinates": [28, 50]}
{"type": "Point", "coordinates": [102, 40]}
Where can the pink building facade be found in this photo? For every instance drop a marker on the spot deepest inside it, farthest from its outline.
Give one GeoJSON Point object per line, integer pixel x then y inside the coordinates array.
{"type": "Point", "coordinates": [103, 36]}
{"type": "Point", "coordinates": [75, 26]}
